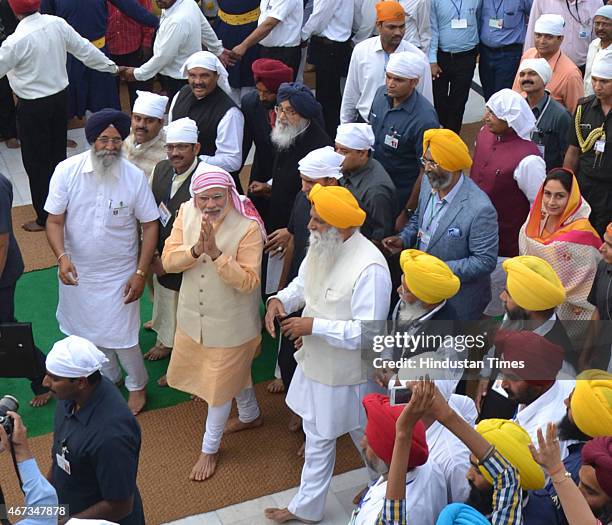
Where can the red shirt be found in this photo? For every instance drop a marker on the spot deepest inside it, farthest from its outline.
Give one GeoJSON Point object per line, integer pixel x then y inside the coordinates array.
{"type": "Point", "coordinates": [123, 35]}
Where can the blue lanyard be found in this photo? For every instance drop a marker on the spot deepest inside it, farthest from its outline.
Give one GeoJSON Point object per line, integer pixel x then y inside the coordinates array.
{"type": "Point", "coordinates": [501, 2]}
{"type": "Point", "coordinates": [458, 9]}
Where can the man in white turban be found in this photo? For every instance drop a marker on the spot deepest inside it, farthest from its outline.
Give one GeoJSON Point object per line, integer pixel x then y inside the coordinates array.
{"type": "Point", "coordinates": [509, 169]}
{"type": "Point", "coordinates": [170, 184]}
{"type": "Point", "coordinates": [399, 116]}
{"type": "Point", "coordinates": [600, 46]}
{"type": "Point", "coordinates": [206, 100]}
{"type": "Point", "coordinates": [552, 119]}
{"type": "Point", "coordinates": [96, 441]}
{"type": "Point", "coordinates": [565, 85]}
{"type": "Point", "coordinates": [367, 180]}
{"type": "Point", "coordinates": [145, 146]}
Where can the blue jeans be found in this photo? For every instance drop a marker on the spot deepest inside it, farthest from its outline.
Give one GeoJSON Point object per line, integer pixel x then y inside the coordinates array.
{"type": "Point", "coordinates": [498, 67]}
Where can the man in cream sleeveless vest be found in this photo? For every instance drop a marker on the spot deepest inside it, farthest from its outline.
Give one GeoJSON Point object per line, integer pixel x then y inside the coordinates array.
{"type": "Point", "coordinates": [216, 242]}
{"type": "Point", "coordinates": [343, 281]}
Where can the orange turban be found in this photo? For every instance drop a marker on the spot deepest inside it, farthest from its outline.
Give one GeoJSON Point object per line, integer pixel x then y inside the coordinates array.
{"type": "Point", "coordinates": [447, 149]}
{"type": "Point", "coordinates": [336, 206]}
{"type": "Point", "coordinates": [390, 12]}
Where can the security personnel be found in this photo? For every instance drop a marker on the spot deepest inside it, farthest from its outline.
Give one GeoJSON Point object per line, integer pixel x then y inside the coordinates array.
{"type": "Point", "coordinates": [96, 439]}
{"type": "Point", "coordinates": [590, 151]}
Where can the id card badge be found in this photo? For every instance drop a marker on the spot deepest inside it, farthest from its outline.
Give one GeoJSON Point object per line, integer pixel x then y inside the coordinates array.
{"type": "Point", "coordinates": [496, 23]}
{"type": "Point", "coordinates": [164, 214]}
{"type": "Point", "coordinates": [63, 463]}
{"type": "Point", "coordinates": [391, 141]}
{"type": "Point", "coordinates": [459, 23]}
{"type": "Point", "coordinates": [600, 146]}
{"type": "Point", "coordinates": [497, 387]}
{"type": "Point", "coordinates": [424, 239]}
{"type": "Point", "coordinates": [584, 33]}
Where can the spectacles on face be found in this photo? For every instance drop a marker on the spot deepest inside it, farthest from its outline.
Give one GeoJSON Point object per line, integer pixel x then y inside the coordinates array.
{"type": "Point", "coordinates": [115, 141]}
{"type": "Point", "coordinates": [178, 147]}
{"type": "Point", "coordinates": [289, 112]}
{"type": "Point", "coordinates": [428, 162]}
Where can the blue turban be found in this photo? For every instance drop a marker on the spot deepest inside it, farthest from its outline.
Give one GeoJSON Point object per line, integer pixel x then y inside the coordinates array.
{"type": "Point", "coordinates": [300, 98]}
{"type": "Point", "coordinates": [104, 118]}
{"type": "Point", "coordinates": [461, 514]}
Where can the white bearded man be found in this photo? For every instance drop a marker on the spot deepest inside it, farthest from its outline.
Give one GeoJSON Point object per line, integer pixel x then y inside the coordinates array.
{"type": "Point", "coordinates": [95, 202]}
{"type": "Point", "coordinates": [343, 281]}
{"type": "Point", "coordinates": [216, 242]}
{"type": "Point", "coordinates": [145, 146]}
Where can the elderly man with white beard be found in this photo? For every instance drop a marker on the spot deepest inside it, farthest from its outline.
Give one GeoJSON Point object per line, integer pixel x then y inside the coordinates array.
{"type": "Point", "coordinates": [343, 281]}
{"type": "Point", "coordinates": [95, 202]}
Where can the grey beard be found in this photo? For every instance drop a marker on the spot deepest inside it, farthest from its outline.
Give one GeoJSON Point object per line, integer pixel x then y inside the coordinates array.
{"type": "Point", "coordinates": [105, 164]}
{"type": "Point", "coordinates": [410, 312]}
{"type": "Point", "coordinates": [284, 136]}
{"type": "Point", "coordinates": [440, 181]}
{"type": "Point", "coordinates": [323, 251]}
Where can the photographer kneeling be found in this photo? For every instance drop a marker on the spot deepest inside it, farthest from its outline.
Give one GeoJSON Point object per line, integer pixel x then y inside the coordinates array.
{"type": "Point", "coordinates": [38, 491]}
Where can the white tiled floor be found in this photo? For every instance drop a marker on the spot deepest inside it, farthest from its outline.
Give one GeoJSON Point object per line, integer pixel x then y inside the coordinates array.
{"type": "Point", "coordinates": [338, 508]}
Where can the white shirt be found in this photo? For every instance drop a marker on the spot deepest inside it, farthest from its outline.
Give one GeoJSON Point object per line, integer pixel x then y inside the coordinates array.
{"type": "Point", "coordinates": [101, 236]}
{"type": "Point", "coordinates": [364, 20]}
{"type": "Point", "coordinates": [418, 31]}
{"type": "Point", "coordinates": [289, 13]}
{"type": "Point", "coordinates": [595, 53]}
{"type": "Point", "coordinates": [182, 29]}
{"type": "Point", "coordinates": [34, 56]}
{"type": "Point", "coordinates": [367, 73]}
{"type": "Point", "coordinates": [529, 176]}
{"type": "Point", "coordinates": [332, 19]}
{"type": "Point", "coordinates": [425, 497]}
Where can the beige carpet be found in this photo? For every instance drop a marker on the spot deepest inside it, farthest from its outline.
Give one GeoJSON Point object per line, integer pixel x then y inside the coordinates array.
{"type": "Point", "coordinates": [252, 464]}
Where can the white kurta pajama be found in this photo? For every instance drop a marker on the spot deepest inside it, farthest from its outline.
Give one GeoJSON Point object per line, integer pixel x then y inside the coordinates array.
{"type": "Point", "coordinates": [101, 236]}
{"type": "Point", "coordinates": [331, 409]}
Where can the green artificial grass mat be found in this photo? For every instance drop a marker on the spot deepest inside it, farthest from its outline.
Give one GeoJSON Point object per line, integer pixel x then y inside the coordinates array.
{"type": "Point", "coordinates": [36, 302]}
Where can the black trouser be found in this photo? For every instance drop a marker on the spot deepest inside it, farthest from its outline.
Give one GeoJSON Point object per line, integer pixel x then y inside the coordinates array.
{"type": "Point", "coordinates": [7, 315]}
{"type": "Point", "coordinates": [290, 56]}
{"type": "Point", "coordinates": [8, 122]}
{"type": "Point", "coordinates": [452, 88]}
{"type": "Point", "coordinates": [171, 85]}
{"type": "Point", "coordinates": [132, 60]}
{"type": "Point", "coordinates": [286, 359]}
{"type": "Point", "coordinates": [42, 131]}
{"type": "Point", "coordinates": [331, 60]}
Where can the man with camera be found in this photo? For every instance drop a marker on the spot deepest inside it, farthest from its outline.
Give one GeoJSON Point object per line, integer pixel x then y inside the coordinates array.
{"type": "Point", "coordinates": [38, 491]}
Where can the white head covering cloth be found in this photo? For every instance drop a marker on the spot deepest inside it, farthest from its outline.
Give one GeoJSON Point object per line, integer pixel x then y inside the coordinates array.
{"type": "Point", "coordinates": [182, 130]}
{"type": "Point", "coordinates": [510, 106]}
{"type": "Point", "coordinates": [605, 11]}
{"type": "Point", "coordinates": [150, 104]}
{"type": "Point", "coordinates": [540, 66]}
{"type": "Point", "coordinates": [405, 64]}
{"type": "Point", "coordinates": [550, 25]}
{"type": "Point", "coordinates": [603, 66]}
{"type": "Point", "coordinates": [207, 60]}
{"type": "Point", "coordinates": [321, 163]}
{"type": "Point", "coordinates": [74, 357]}
{"type": "Point", "coordinates": [355, 136]}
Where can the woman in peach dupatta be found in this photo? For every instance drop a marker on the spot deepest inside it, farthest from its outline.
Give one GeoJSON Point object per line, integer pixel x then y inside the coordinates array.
{"type": "Point", "coordinates": [558, 230]}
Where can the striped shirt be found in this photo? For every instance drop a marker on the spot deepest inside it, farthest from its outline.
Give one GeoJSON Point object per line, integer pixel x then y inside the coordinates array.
{"type": "Point", "coordinates": [507, 494]}
{"type": "Point", "coordinates": [393, 512]}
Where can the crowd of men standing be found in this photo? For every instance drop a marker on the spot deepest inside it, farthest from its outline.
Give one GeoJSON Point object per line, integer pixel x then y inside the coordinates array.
{"type": "Point", "coordinates": [363, 204]}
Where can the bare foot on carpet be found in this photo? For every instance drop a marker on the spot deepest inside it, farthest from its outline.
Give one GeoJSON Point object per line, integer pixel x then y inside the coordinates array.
{"type": "Point", "coordinates": [276, 386]}
{"type": "Point", "coordinates": [302, 450]}
{"type": "Point", "coordinates": [162, 381]}
{"type": "Point", "coordinates": [148, 325]}
{"type": "Point", "coordinates": [197, 399]}
{"type": "Point", "coordinates": [137, 400]}
{"type": "Point", "coordinates": [295, 423]}
{"type": "Point", "coordinates": [204, 467]}
{"type": "Point", "coordinates": [158, 352]}
{"type": "Point", "coordinates": [283, 515]}
{"type": "Point", "coordinates": [41, 400]}
{"type": "Point", "coordinates": [235, 425]}
{"type": "Point", "coordinates": [33, 226]}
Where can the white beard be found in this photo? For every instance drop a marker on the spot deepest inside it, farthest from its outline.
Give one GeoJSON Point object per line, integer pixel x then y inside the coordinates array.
{"type": "Point", "coordinates": [105, 166]}
{"type": "Point", "coordinates": [283, 135]}
{"type": "Point", "coordinates": [323, 251]}
{"type": "Point", "coordinates": [410, 312]}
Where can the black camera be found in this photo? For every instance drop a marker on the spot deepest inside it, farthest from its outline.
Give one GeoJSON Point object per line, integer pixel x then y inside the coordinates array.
{"type": "Point", "coordinates": [8, 404]}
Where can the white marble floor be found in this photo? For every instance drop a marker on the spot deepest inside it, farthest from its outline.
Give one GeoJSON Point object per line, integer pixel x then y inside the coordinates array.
{"type": "Point", "coordinates": [338, 510]}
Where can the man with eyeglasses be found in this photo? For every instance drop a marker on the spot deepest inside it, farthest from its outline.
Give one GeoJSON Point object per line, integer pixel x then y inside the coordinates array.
{"type": "Point", "coordinates": [96, 200]}
{"type": "Point", "coordinates": [170, 183]}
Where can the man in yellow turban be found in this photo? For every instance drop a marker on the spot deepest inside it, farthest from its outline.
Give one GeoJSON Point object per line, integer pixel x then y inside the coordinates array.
{"type": "Point", "coordinates": [343, 280]}
{"type": "Point", "coordinates": [454, 221]}
{"type": "Point", "coordinates": [591, 403]}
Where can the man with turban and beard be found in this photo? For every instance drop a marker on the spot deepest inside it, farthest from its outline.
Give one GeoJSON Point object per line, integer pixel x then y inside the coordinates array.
{"type": "Point", "coordinates": [216, 242]}
{"type": "Point", "coordinates": [343, 281]}
{"type": "Point", "coordinates": [455, 222]}
{"type": "Point", "coordinates": [259, 119]}
{"type": "Point", "coordinates": [96, 200]}
{"type": "Point", "coordinates": [589, 414]}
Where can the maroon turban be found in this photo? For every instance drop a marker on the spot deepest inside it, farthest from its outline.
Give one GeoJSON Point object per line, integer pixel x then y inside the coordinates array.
{"type": "Point", "coordinates": [271, 73]}
{"type": "Point", "coordinates": [380, 431]}
{"type": "Point", "coordinates": [542, 359]}
{"type": "Point", "coordinates": [598, 454]}
{"type": "Point", "coordinates": [24, 7]}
